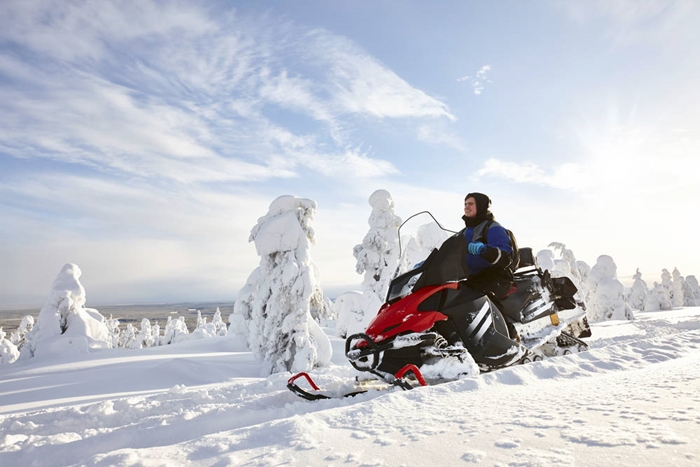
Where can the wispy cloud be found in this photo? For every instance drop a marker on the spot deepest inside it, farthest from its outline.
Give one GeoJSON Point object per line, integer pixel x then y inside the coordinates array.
{"type": "Point", "coordinates": [631, 21]}
{"type": "Point", "coordinates": [479, 80]}
{"type": "Point", "coordinates": [182, 92]}
{"type": "Point", "coordinates": [437, 133]}
{"type": "Point", "coordinates": [619, 157]}
{"type": "Point", "coordinates": [567, 176]}
{"type": "Point", "coordinates": [359, 84]}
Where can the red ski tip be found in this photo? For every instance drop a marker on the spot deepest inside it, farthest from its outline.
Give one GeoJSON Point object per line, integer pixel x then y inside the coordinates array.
{"type": "Point", "coordinates": [308, 378]}
{"type": "Point", "coordinates": [413, 369]}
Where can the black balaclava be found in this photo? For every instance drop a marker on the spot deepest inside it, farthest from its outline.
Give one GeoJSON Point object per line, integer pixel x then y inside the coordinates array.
{"type": "Point", "coordinates": [483, 203]}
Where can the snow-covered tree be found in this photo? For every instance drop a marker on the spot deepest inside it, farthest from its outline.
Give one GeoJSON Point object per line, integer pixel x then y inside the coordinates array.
{"type": "Point", "coordinates": [567, 266]}
{"type": "Point", "coordinates": [18, 338]}
{"type": "Point", "coordinates": [576, 271]}
{"type": "Point", "coordinates": [565, 254]}
{"type": "Point", "coordinates": [273, 310]}
{"type": "Point", "coordinates": [219, 325]}
{"type": "Point", "coordinates": [155, 334]}
{"type": "Point", "coordinates": [653, 300]}
{"type": "Point", "coordinates": [145, 335]}
{"type": "Point", "coordinates": [545, 260]}
{"type": "Point", "coordinates": [583, 270]}
{"type": "Point", "coordinates": [605, 299]}
{"type": "Point", "coordinates": [377, 259]}
{"type": "Point", "coordinates": [114, 332]}
{"type": "Point", "coordinates": [203, 329]}
{"type": "Point", "coordinates": [659, 297]}
{"type": "Point", "coordinates": [692, 292]}
{"type": "Point", "coordinates": [8, 351]}
{"type": "Point", "coordinates": [64, 324]}
{"type": "Point", "coordinates": [128, 338]}
{"type": "Point", "coordinates": [250, 298]}
{"type": "Point", "coordinates": [350, 308]}
{"type": "Point", "coordinates": [638, 293]}
{"type": "Point", "coordinates": [667, 284]}
{"type": "Point", "coordinates": [175, 331]}
{"type": "Point", "coordinates": [661, 294]}
{"type": "Point", "coordinates": [677, 289]}
{"type": "Point", "coordinates": [377, 255]}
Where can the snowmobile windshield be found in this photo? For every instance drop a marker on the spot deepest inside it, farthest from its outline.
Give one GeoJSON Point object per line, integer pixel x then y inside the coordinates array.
{"type": "Point", "coordinates": [403, 285]}
{"type": "Point", "coordinates": [444, 264]}
{"type": "Point", "coordinates": [430, 255]}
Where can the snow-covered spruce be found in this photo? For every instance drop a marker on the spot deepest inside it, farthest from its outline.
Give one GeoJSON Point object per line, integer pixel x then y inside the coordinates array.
{"type": "Point", "coordinates": [378, 254]}
{"type": "Point", "coordinates": [64, 324]}
{"type": "Point", "coordinates": [175, 331]}
{"type": "Point", "coordinates": [273, 312]}
{"type": "Point", "coordinates": [605, 300]}
{"type": "Point", "coordinates": [8, 351]}
{"type": "Point", "coordinates": [18, 337]}
{"type": "Point", "coordinates": [376, 258]}
{"type": "Point", "coordinates": [693, 291]}
{"type": "Point", "coordinates": [637, 295]}
{"type": "Point", "coordinates": [353, 313]}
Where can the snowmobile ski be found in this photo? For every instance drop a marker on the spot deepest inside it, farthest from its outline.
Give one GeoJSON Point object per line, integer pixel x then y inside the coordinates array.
{"type": "Point", "coordinates": [402, 379]}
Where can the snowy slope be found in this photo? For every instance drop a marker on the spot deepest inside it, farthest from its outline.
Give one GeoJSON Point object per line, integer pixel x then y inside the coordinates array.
{"type": "Point", "coordinates": [631, 400]}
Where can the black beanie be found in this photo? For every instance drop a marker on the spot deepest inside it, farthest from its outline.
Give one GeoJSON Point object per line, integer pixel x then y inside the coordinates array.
{"type": "Point", "coordinates": [483, 203]}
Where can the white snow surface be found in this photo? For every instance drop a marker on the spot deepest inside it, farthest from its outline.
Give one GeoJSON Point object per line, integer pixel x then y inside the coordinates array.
{"type": "Point", "coordinates": [632, 399]}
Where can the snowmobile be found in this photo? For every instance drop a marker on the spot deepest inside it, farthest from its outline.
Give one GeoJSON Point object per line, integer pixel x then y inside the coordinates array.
{"type": "Point", "coordinates": [434, 326]}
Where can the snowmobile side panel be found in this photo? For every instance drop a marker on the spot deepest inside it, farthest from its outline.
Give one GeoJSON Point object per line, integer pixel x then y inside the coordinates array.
{"type": "Point", "coordinates": [483, 330]}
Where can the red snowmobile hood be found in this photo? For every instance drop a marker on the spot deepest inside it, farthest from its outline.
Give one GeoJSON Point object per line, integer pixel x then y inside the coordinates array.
{"type": "Point", "coordinates": [403, 315]}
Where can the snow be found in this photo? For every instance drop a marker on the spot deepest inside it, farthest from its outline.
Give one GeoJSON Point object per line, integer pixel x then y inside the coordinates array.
{"type": "Point", "coordinates": [630, 400]}
{"type": "Point", "coordinates": [81, 395]}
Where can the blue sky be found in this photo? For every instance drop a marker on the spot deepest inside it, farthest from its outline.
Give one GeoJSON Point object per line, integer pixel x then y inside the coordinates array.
{"type": "Point", "coordinates": [143, 140]}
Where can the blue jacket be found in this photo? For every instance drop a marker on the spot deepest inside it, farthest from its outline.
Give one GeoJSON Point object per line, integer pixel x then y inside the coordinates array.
{"type": "Point", "coordinates": [498, 249]}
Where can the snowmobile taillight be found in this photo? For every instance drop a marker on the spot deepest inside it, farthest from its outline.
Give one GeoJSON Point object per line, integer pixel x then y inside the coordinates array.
{"type": "Point", "coordinates": [512, 290]}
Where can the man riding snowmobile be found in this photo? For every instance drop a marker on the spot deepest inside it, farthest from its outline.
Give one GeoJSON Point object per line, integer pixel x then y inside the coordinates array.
{"type": "Point", "coordinates": [491, 254]}
{"type": "Point", "coordinates": [465, 301]}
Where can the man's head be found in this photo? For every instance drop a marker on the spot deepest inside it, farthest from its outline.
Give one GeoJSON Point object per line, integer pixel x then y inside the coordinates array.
{"type": "Point", "coordinates": [476, 204]}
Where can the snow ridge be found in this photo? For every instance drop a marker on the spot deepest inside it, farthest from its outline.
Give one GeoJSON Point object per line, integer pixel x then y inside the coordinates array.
{"type": "Point", "coordinates": [236, 422]}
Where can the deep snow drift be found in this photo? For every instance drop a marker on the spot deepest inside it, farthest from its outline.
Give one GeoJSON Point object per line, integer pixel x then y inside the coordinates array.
{"type": "Point", "coordinates": [631, 400]}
